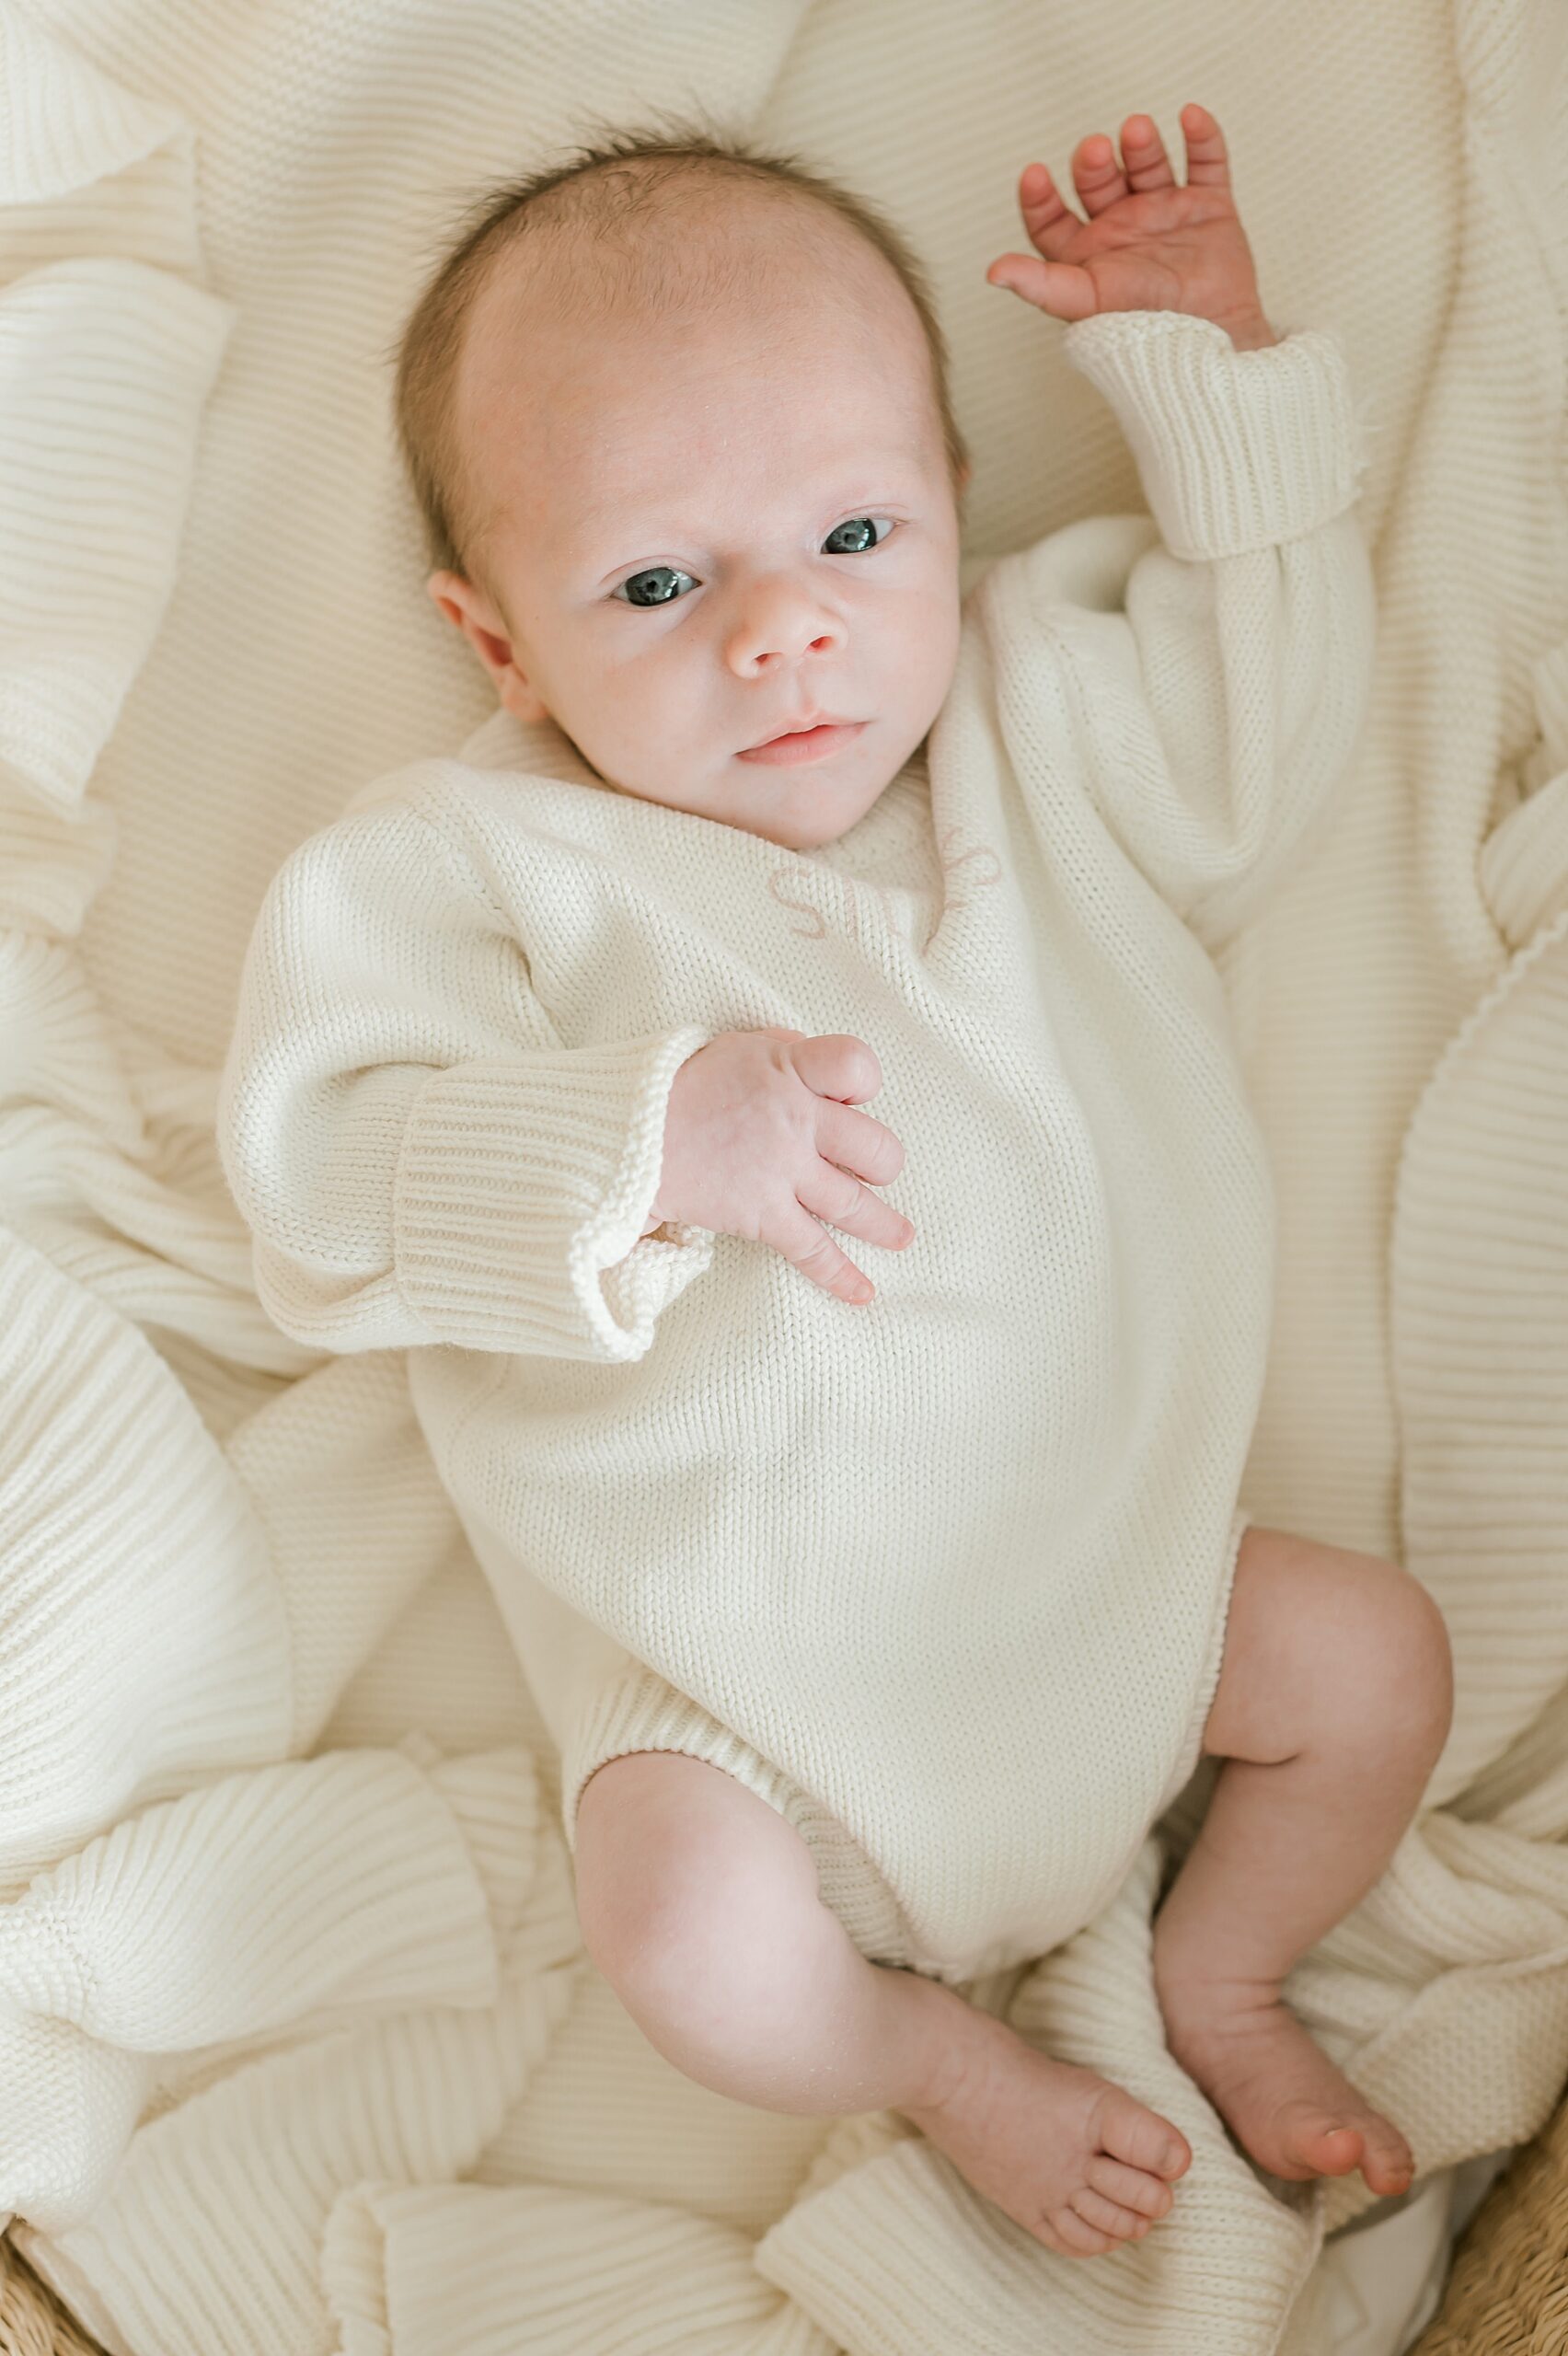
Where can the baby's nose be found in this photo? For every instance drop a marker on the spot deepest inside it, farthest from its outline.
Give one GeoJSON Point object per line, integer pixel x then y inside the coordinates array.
{"type": "Point", "coordinates": [780, 623]}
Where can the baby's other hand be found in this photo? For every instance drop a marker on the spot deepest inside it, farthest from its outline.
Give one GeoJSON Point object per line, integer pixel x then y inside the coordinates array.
{"type": "Point", "coordinates": [1149, 244]}
{"type": "Point", "coordinates": [762, 1141]}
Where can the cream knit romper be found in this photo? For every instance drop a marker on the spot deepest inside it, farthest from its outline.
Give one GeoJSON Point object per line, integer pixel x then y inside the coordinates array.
{"type": "Point", "coordinates": [943, 1580]}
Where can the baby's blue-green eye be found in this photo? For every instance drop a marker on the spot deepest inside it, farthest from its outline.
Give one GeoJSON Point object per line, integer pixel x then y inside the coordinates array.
{"type": "Point", "coordinates": [654, 586]}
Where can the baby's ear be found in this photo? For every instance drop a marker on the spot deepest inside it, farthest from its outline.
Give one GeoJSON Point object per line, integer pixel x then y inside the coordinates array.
{"type": "Point", "coordinates": [450, 594]}
{"type": "Point", "coordinates": [470, 611]}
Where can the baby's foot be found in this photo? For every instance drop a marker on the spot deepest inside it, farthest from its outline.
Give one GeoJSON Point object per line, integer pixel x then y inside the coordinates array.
{"type": "Point", "coordinates": [1275, 2086]}
{"type": "Point", "coordinates": [1071, 2158]}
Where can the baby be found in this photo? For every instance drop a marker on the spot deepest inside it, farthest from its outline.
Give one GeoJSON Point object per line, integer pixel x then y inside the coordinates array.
{"type": "Point", "coordinates": [873, 1644]}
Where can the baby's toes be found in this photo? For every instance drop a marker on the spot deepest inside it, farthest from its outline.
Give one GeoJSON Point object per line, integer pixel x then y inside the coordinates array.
{"type": "Point", "coordinates": [1108, 2216]}
{"type": "Point", "coordinates": [1130, 2131]}
{"type": "Point", "coordinates": [1149, 2195]}
{"type": "Point", "coordinates": [1321, 2142]}
{"type": "Point", "coordinates": [1387, 2162]}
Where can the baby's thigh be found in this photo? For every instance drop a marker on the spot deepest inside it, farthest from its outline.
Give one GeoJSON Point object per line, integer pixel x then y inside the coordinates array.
{"type": "Point", "coordinates": [687, 1881]}
{"type": "Point", "coordinates": [1323, 1644]}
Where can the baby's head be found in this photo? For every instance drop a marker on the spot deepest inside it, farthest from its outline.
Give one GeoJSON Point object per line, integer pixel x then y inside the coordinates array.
{"type": "Point", "coordinates": [678, 423]}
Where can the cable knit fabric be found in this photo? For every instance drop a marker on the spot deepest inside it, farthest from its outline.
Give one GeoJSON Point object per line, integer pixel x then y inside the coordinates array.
{"type": "Point", "coordinates": [1005, 1497]}
{"type": "Point", "coordinates": [299, 2051]}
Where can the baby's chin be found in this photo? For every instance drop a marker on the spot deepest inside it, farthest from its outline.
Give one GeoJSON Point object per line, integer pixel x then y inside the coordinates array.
{"type": "Point", "coordinates": [802, 817]}
{"type": "Point", "coordinates": [801, 812]}
{"type": "Point", "coordinates": [804, 836]}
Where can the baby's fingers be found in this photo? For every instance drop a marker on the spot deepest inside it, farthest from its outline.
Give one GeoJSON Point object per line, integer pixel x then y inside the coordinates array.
{"type": "Point", "coordinates": [857, 1142]}
{"type": "Point", "coordinates": [1051, 222]}
{"type": "Point", "coordinates": [1208, 163]}
{"type": "Point", "coordinates": [1143, 154]}
{"type": "Point", "coordinates": [1056, 287]}
{"type": "Point", "coordinates": [836, 1065]}
{"type": "Point", "coordinates": [838, 1196]}
{"type": "Point", "coordinates": [792, 1230]}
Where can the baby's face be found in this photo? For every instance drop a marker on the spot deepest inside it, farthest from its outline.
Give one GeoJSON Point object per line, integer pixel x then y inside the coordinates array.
{"type": "Point", "coordinates": [706, 526]}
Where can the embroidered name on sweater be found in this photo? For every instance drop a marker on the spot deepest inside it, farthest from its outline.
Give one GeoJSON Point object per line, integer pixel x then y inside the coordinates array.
{"type": "Point", "coordinates": [969, 866]}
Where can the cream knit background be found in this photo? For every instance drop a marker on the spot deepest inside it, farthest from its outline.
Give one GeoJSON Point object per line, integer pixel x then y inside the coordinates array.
{"type": "Point", "coordinates": [264, 2008]}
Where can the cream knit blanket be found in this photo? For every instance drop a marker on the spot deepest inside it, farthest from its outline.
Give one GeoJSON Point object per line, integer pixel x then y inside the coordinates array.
{"type": "Point", "coordinates": [297, 2047]}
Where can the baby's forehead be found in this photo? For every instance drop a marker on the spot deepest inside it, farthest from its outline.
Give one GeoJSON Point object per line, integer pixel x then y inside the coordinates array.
{"type": "Point", "coordinates": [729, 272]}
{"type": "Point", "coordinates": [576, 385]}
{"type": "Point", "coordinates": [789, 343]}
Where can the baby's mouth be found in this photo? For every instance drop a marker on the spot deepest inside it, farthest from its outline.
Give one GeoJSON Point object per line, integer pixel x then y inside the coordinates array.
{"type": "Point", "coordinates": [804, 743]}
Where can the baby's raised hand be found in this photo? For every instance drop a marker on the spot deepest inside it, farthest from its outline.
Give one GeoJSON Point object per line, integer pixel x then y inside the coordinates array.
{"type": "Point", "coordinates": [761, 1140]}
{"type": "Point", "coordinates": [1149, 244]}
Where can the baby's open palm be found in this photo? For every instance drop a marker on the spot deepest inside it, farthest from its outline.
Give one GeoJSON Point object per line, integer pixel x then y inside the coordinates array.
{"type": "Point", "coordinates": [1149, 244]}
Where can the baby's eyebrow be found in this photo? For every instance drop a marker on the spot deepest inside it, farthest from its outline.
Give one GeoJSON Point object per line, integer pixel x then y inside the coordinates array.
{"type": "Point", "coordinates": [886, 469]}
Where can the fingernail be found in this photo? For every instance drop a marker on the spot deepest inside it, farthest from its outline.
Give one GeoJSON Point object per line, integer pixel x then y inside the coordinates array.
{"type": "Point", "coordinates": [1171, 2156]}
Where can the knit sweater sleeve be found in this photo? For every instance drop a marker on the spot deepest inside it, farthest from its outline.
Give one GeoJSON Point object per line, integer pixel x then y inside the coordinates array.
{"type": "Point", "coordinates": [1215, 662]}
{"type": "Point", "coordinates": [419, 1158]}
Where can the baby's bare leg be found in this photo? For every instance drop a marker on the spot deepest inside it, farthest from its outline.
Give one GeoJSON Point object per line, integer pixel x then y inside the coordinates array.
{"type": "Point", "coordinates": [699, 1904]}
{"type": "Point", "coordinates": [1333, 1703]}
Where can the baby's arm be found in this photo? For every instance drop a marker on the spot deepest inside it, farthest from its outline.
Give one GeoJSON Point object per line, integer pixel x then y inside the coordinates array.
{"type": "Point", "coordinates": [1215, 686]}
{"type": "Point", "coordinates": [419, 1159]}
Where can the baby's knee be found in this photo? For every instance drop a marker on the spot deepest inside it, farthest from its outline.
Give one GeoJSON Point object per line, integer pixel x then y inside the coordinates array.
{"type": "Point", "coordinates": [693, 1895]}
{"type": "Point", "coordinates": [1393, 1686]}
{"type": "Point", "coordinates": [1330, 1646]}
{"type": "Point", "coordinates": [1397, 1674]}
{"type": "Point", "coordinates": [1430, 1658]}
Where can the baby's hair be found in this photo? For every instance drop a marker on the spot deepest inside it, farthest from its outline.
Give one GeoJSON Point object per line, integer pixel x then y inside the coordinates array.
{"type": "Point", "coordinates": [618, 178]}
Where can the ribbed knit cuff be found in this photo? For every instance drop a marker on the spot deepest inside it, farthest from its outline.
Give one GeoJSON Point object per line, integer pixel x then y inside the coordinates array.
{"type": "Point", "coordinates": [523, 1187]}
{"type": "Point", "coordinates": [1237, 449]}
{"type": "Point", "coordinates": [641, 1711]}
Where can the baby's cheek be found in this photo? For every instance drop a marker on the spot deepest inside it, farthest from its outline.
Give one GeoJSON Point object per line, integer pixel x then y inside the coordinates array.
{"type": "Point", "coordinates": [623, 717]}
{"type": "Point", "coordinates": [928, 652]}
{"type": "Point", "coordinates": [656, 704]}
